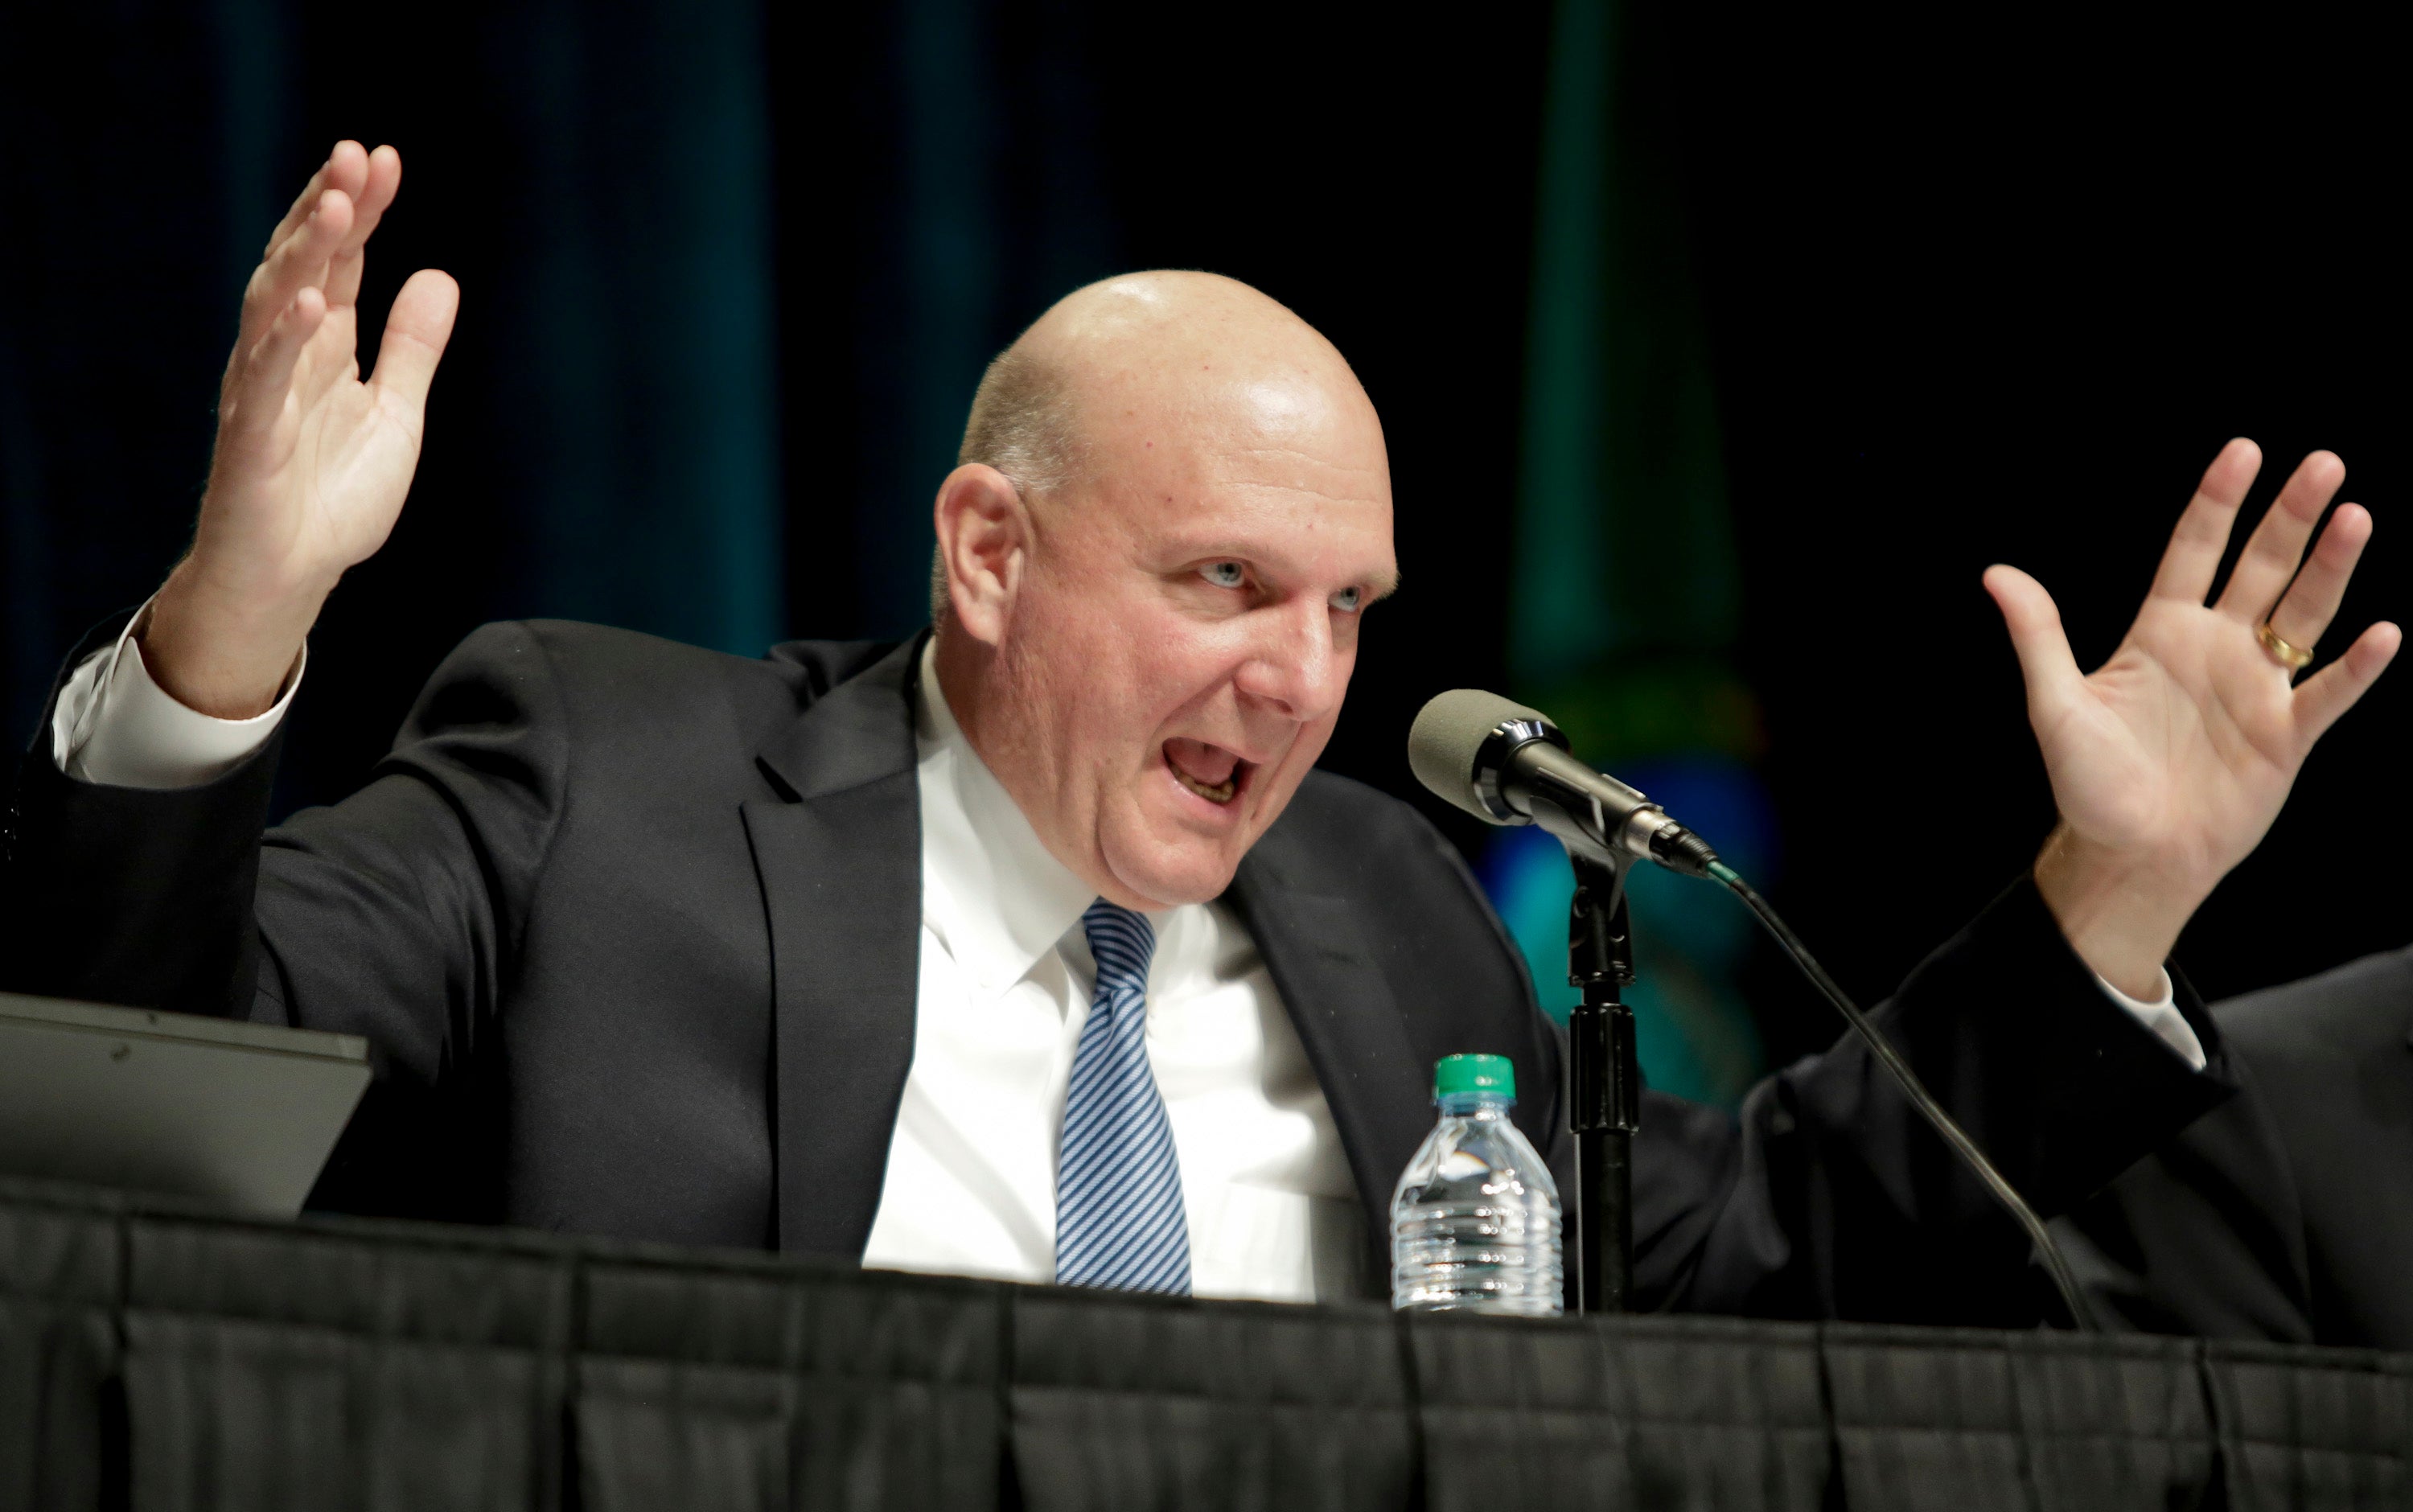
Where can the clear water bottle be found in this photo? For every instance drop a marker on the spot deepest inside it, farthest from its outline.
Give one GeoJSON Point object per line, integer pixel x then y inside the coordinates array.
{"type": "Point", "coordinates": [1474, 1223]}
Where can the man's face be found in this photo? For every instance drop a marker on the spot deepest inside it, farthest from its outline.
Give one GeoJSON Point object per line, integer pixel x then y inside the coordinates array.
{"type": "Point", "coordinates": [1178, 649]}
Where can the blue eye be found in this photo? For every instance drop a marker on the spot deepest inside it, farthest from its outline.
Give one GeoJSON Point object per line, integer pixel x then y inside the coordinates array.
{"type": "Point", "coordinates": [1348, 601]}
{"type": "Point", "coordinates": [1225, 574]}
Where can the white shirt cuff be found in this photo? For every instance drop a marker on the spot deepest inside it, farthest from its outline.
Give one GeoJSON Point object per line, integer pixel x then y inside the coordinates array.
{"type": "Point", "coordinates": [116, 727]}
{"type": "Point", "coordinates": [2163, 1017]}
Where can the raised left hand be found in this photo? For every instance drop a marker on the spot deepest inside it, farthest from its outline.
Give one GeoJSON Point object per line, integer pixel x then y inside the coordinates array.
{"type": "Point", "coordinates": [2170, 761]}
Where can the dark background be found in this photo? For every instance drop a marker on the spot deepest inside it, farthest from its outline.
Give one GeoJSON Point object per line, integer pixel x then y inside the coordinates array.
{"type": "Point", "coordinates": [1979, 289]}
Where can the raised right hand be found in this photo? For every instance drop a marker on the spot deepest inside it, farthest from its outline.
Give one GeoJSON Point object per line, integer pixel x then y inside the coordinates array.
{"type": "Point", "coordinates": [312, 464]}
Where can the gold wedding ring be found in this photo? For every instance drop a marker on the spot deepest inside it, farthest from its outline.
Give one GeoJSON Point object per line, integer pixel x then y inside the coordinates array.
{"type": "Point", "coordinates": [2288, 655]}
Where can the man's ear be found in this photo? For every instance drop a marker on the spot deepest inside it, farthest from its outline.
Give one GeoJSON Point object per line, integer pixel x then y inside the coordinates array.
{"type": "Point", "coordinates": [983, 534]}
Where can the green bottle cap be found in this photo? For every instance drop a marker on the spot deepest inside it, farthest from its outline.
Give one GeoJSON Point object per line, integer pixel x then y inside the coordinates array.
{"type": "Point", "coordinates": [1475, 1074]}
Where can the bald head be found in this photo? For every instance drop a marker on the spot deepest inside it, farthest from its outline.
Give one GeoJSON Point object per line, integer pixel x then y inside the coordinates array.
{"type": "Point", "coordinates": [1142, 357]}
{"type": "Point", "coordinates": [1172, 510]}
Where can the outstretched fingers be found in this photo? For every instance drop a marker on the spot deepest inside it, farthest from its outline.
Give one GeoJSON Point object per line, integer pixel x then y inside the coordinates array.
{"type": "Point", "coordinates": [300, 261]}
{"type": "Point", "coordinates": [2333, 690]}
{"type": "Point", "coordinates": [2193, 557]}
{"type": "Point", "coordinates": [2033, 621]}
{"type": "Point", "coordinates": [382, 179]}
{"type": "Point", "coordinates": [257, 397]}
{"type": "Point", "coordinates": [416, 331]}
{"type": "Point", "coordinates": [2277, 546]}
{"type": "Point", "coordinates": [345, 169]}
{"type": "Point", "coordinates": [2311, 600]}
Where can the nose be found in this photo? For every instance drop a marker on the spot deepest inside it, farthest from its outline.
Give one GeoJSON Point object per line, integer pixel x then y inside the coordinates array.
{"type": "Point", "coordinates": [1293, 667]}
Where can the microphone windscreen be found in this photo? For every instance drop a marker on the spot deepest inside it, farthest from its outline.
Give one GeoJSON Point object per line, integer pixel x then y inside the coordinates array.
{"type": "Point", "coordinates": [1450, 730]}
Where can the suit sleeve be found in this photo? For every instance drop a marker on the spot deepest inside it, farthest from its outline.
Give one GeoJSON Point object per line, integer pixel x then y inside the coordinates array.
{"type": "Point", "coordinates": [2284, 1215]}
{"type": "Point", "coordinates": [2203, 1237]}
{"type": "Point", "coordinates": [393, 915]}
{"type": "Point", "coordinates": [1828, 1197]}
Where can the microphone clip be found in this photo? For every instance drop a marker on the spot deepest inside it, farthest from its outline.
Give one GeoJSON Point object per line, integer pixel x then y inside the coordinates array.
{"type": "Point", "coordinates": [1600, 941]}
{"type": "Point", "coordinates": [1603, 1083]}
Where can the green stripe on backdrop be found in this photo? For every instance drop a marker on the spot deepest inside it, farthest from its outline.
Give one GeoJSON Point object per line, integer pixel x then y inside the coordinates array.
{"type": "Point", "coordinates": [1627, 595]}
{"type": "Point", "coordinates": [1624, 551]}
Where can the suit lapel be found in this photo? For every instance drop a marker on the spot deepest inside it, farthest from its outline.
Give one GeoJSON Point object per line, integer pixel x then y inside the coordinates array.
{"type": "Point", "coordinates": [1341, 1005]}
{"type": "Point", "coordinates": [839, 855]}
{"type": "Point", "coordinates": [839, 859]}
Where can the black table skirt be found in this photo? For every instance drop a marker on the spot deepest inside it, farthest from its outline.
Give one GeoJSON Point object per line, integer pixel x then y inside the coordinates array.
{"type": "Point", "coordinates": [166, 1359]}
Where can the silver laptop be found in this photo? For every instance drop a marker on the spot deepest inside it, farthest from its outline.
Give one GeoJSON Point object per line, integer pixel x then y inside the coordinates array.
{"type": "Point", "coordinates": [241, 1116]}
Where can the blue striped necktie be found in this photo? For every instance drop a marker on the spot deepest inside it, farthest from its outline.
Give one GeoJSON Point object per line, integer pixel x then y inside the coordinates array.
{"type": "Point", "coordinates": [1118, 1217]}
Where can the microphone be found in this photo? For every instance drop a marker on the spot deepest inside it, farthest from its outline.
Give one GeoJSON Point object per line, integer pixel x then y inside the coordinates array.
{"type": "Point", "coordinates": [1508, 764]}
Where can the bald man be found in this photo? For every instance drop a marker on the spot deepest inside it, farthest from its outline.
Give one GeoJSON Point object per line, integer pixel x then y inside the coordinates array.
{"type": "Point", "coordinates": [1034, 946]}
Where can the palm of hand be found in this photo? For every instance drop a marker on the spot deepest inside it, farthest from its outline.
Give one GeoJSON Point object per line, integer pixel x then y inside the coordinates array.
{"type": "Point", "coordinates": [2172, 759]}
{"type": "Point", "coordinates": [322, 488]}
{"type": "Point", "coordinates": [2183, 746]}
{"type": "Point", "coordinates": [355, 450]}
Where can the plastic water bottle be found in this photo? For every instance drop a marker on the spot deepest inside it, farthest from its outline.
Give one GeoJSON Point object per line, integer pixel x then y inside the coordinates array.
{"type": "Point", "coordinates": [1474, 1223]}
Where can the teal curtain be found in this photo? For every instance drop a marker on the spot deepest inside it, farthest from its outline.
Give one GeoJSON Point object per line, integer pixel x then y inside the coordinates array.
{"type": "Point", "coordinates": [994, 206]}
{"type": "Point", "coordinates": [642, 322]}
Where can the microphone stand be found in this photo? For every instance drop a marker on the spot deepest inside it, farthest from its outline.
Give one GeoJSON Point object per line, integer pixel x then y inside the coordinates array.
{"type": "Point", "coordinates": [1603, 1086]}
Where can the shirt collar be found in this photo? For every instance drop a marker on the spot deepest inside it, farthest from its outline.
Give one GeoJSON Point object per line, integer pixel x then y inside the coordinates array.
{"type": "Point", "coordinates": [990, 890]}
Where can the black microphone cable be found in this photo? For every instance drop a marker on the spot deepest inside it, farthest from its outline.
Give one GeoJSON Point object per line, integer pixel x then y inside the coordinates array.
{"type": "Point", "coordinates": [2057, 1264]}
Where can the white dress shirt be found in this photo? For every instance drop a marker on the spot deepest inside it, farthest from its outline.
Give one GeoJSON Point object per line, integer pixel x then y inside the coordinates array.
{"type": "Point", "coordinates": [115, 726]}
{"type": "Point", "coordinates": [1006, 977]}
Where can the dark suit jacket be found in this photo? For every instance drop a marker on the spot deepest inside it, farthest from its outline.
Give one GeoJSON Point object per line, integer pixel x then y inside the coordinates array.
{"type": "Point", "coordinates": [2288, 1214]}
{"type": "Point", "coordinates": [635, 925]}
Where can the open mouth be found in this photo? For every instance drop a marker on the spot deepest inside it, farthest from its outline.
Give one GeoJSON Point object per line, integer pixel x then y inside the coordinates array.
{"type": "Point", "coordinates": [1211, 772]}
